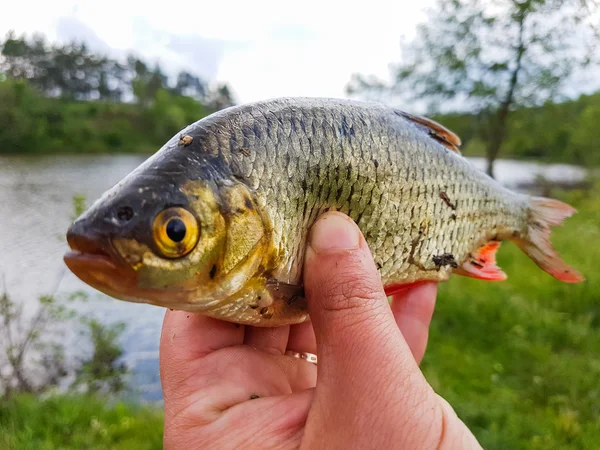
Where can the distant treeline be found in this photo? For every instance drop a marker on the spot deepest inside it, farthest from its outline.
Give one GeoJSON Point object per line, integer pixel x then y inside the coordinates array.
{"type": "Point", "coordinates": [555, 132]}
{"type": "Point", "coordinates": [64, 98]}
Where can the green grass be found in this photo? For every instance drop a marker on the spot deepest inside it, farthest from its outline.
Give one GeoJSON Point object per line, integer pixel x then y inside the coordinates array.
{"type": "Point", "coordinates": [520, 360]}
{"type": "Point", "coordinates": [77, 422]}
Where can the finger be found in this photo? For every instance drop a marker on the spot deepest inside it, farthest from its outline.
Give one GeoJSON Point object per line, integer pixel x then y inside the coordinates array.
{"type": "Point", "coordinates": [271, 422]}
{"type": "Point", "coordinates": [413, 310]}
{"type": "Point", "coordinates": [302, 338]}
{"type": "Point", "coordinates": [272, 340]}
{"type": "Point", "coordinates": [187, 337]}
{"type": "Point", "coordinates": [362, 353]}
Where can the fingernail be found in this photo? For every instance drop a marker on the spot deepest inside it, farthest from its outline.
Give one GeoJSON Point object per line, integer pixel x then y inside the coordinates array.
{"type": "Point", "coordinates": [334, 231]}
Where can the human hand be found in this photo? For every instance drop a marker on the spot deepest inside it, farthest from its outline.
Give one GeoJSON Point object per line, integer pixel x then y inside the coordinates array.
{"type": "Point", "coordinates": [366, 392]}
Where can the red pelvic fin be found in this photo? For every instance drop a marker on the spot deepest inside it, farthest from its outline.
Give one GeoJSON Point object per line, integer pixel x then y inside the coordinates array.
{"type": "Point", "coordinates": [393, 289]}
{"type": "Point", "coordinates": [482, 264]}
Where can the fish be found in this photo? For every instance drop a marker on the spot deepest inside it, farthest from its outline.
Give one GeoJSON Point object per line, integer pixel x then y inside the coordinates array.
{"type": "Point", "coordinates": [216, 221]}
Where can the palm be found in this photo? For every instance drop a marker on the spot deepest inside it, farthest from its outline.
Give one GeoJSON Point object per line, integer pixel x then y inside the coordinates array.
{"type": "Point", "coordinates": [234, 385]}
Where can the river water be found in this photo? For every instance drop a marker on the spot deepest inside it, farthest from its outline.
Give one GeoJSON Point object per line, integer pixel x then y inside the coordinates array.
{"type": "Point", "coordinates": [36, 209]}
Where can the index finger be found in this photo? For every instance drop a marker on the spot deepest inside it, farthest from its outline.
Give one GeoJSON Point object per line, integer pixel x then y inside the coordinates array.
{"type": "Point", "coordinates": [413, 310]}
{"type": "Point", "coordinates": [187, 337]}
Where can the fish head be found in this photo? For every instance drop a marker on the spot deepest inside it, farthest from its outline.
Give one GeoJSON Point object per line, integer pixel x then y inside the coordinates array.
{"type": "Point", "coordinates": [179, 232]}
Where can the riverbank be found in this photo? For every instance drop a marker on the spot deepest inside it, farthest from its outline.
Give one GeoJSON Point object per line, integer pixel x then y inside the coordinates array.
{"type": "Point", "coordinates": [31, 123]}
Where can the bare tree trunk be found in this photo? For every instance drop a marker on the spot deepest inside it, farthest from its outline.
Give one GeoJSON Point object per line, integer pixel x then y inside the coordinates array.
{"type": "Point", "coordinates": [499, 122]}
{"type": "Point", "coordinates": [490, 162]}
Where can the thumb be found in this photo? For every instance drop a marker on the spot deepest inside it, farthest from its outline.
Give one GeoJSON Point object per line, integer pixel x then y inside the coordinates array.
{"type": "Point", "coordinates": [365, 366]}
{"type": "Point", "coordinates": [353, 322]}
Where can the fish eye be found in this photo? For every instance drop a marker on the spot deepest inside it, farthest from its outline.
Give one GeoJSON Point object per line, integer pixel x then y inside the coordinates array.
{"type": "Point", "coordinates": [175, 232]}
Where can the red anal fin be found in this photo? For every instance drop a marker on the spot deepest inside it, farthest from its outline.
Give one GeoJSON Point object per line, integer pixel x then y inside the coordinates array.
{"type": "Point", "coordinates": [482, 264]}
{"type": "Point", "coordinates": [437, 131]}
{"type": "Point", "coordinates": [393, 289]}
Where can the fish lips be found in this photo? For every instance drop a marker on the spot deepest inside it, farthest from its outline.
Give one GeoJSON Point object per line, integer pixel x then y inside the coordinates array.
{"type": "Point", "coordinates": [94, 260]}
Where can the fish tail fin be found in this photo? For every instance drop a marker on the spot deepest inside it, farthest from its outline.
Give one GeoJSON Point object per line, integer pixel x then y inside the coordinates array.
{"type": "Point", "coordinates": [545, 213]}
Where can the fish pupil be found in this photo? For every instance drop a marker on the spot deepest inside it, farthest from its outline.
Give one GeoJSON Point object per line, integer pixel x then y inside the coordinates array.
{"type": "Point", "coordinates": [176, 230]}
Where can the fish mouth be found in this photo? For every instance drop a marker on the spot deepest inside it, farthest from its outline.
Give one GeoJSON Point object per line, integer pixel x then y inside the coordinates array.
{"type": "Point", "coordinates": [94, 261]}
{"type": "Point", "coordinates": [103, 262]}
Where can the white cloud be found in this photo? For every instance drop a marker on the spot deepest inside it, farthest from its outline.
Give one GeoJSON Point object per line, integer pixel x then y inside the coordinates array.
{"type": "Point", "coordinates": [262, 48]}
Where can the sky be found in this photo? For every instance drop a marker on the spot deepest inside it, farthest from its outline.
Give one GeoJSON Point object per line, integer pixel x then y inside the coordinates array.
{"type": "Point", "coordinates": [263, 49]}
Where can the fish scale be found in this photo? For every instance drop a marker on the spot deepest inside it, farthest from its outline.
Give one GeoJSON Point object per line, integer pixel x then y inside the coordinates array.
{"type": "Point", "coordinates": [338, 150]}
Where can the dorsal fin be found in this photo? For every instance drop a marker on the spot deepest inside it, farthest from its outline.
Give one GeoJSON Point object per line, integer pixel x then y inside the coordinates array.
{"type": "Point", "coordinates": [440, 133]}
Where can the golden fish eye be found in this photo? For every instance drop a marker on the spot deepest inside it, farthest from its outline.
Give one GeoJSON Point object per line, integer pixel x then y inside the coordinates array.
{"type": "Point", "coordinates": [175, 232]}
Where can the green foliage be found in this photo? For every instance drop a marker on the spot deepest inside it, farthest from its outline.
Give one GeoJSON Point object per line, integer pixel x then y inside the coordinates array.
{"type": "Point", "coordinates": [102, 372]}
{"type": "Point", "coordinates": [78, 206]}
{"type": "Point", "coordinates": [25, 121]}
{"type": "Point", "coordinates": [554, 132]}
{"type": "Point", "coordinates": [518, 359]}
{"type": "Point", "coordinates": [584, 147]}
{"type": "Point", "coordinates": [63, 98]}
{"type": "Point", "coordinates": [33, 124]}
{"type": "Point", "coordinates": [220, 97]}
{"type": "Point", "coordinates": [170, 113]}
{"type": "Point", "coordinates": [77, 422]}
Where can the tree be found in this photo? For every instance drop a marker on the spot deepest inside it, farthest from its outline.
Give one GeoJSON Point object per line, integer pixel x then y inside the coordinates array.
{"type": "Point", "coordinates": [20, 59]}
{"type": "Point", "coordinates": [190, 85]}
{"type": "Point", "coordinates": [69, 71]}
{"type": "Point", "coordinates": [491, 57]}
{"type": "Point", "coordinates": [145, 82]}
{"type": "Point", "coordinates": [220, 97]}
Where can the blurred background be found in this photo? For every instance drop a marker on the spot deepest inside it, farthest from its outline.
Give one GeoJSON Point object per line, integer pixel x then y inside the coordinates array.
{"type": "Point", "coordinates": [88, 90]}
